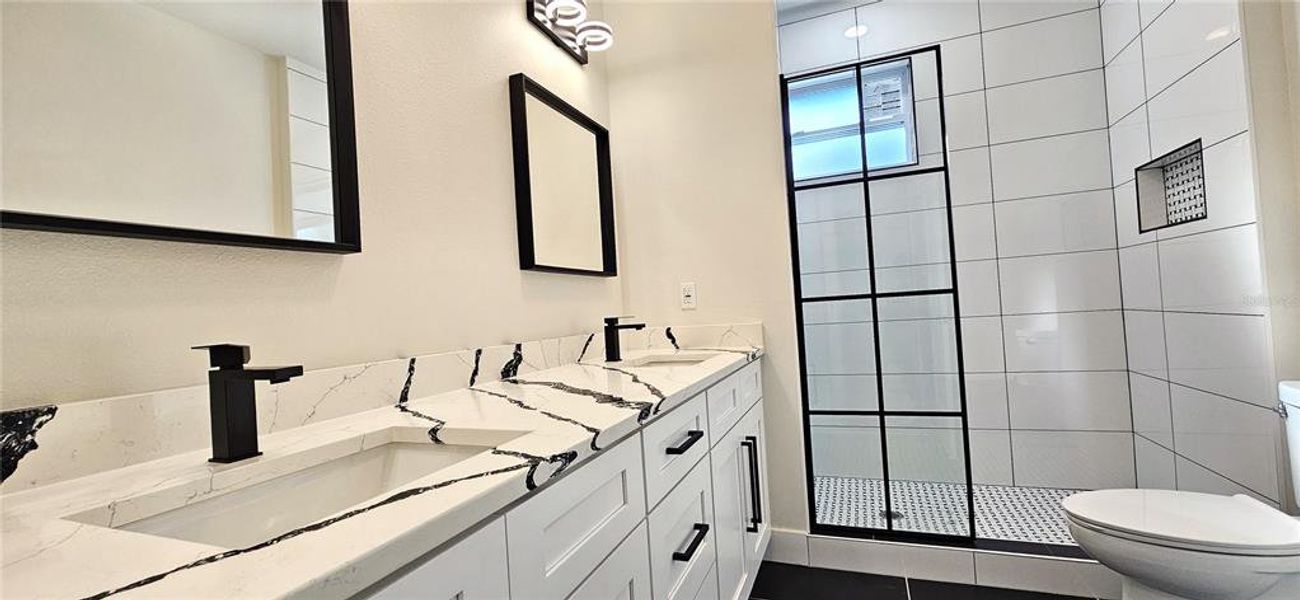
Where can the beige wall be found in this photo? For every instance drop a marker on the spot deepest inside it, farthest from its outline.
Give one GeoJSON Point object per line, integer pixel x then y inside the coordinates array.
{"type": "Point", "coordinates": [94, 97]}
{"type": "Point", "coordinates": [700, 176]}
{"type": "Point", "coordinates": [85, 317]}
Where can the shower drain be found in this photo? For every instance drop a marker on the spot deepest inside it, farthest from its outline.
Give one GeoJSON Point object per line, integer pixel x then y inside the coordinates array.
{"type": "Point", "coordinates": [892, 514]}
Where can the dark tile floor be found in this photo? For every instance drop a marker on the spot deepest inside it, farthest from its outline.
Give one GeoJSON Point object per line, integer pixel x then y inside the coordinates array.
{"type": "Point", "coordinates": [779, 581]}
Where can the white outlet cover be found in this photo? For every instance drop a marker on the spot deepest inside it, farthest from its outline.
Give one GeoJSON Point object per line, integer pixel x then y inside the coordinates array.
{"type": "Point", "coordinates": [689, 298]}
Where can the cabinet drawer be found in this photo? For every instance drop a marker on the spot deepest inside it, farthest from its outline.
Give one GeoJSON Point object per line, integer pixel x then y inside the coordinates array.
{"type": "Point", "coordinates": [709, 588]}
{"type": "Point", "coordinates": [731, 397]}
{"type": "Point", "coordinates": [681, 537]}
{"type": "Point", "coordinates": [672, 445]}
{"type": "Point", "coordinates": [625, 575]}
{"type": "Point", "coordinates": [469, 570]}
{"type": "Point", "coordinates": [558, 537]}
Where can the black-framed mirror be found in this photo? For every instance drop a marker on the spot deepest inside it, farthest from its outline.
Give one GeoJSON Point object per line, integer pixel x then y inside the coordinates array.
{"type": "Point", "coordinates": [564, 194]}
{"type": "Point", "coordinates": [211, 122]}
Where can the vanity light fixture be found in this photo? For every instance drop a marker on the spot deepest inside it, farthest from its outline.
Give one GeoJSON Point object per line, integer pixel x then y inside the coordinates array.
{"type": "Point", "coordinates": [566, 22]}
{"type": "Point", "coordinates": [856, 31]}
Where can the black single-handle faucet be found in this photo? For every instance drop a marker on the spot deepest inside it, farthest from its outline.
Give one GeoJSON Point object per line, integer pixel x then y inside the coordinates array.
{"type": "Point", "coordinates": [233, 400]}
{"type": "Point", "coordinates": [612, 327]}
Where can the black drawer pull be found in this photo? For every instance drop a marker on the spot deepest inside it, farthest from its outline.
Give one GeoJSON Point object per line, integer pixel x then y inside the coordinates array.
{"type": "Point", "coordinates": [755, 488]}
{"type": "Point", "coordinates": [692, 436]}
{"type": "Point", "coordinates": [701, 530]}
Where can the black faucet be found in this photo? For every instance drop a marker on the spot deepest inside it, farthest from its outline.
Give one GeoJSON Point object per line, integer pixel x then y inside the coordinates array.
{"type": "Point", "coordinates": [612, 327]}
{"type": "Point", "coordinates": [233, 400]}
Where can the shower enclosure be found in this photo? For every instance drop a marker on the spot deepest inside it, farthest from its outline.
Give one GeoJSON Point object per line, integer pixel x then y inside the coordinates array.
{"type": "Point", "coordinates": [885, 420]}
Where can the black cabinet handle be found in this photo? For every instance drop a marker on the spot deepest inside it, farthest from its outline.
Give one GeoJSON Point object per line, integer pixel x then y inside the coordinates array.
{"type": "Point", "coordinates": [692, 436]}
{"type": "Point", "coordinates": [701, 530]}
{"type": "Point", "coordinates": [755, 488]}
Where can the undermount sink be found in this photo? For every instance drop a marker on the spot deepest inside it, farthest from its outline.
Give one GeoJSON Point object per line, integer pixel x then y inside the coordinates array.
{"type": "Point", "coordinates": [678, 359]}
{"type": "Point", "coordinates": [259, 512]}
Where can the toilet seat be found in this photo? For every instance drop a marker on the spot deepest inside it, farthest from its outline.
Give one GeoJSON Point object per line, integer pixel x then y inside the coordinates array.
{"type": "Point", "coordinates": [1236, 525]}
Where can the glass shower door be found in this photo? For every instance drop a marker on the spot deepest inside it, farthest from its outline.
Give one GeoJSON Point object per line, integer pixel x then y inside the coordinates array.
{"type": "Point", "coordinates": [879, 329]}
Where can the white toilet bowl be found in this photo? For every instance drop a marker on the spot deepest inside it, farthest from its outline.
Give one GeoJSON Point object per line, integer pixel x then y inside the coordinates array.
{"type": "Point", "coordinates": [1187, 545]}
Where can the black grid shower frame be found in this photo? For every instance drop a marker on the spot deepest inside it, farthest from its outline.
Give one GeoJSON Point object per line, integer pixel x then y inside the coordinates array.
{"type": "Point", "coordinates": [874, 296]}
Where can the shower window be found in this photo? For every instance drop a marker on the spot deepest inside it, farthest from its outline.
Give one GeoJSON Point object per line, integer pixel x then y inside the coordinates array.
{"type": "Point", "coordinates": [828, 114]}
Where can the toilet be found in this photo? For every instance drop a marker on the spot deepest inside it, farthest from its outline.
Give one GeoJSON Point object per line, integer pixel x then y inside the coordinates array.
{"type": "Point", "coordinates": [1177, 544]}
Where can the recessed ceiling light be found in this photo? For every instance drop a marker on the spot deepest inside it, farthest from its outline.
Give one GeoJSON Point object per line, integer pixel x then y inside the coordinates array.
{"type": "Point", "coordinates": [855, 31]}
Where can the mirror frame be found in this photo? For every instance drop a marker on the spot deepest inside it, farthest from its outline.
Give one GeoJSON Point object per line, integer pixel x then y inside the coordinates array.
{"type": "Point", "coordinates": [520, 88]}
{"type": "Point", "coordinates": [343, 156]}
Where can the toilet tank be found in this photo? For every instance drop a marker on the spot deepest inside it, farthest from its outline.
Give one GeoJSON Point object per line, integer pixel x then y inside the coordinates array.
{"type": "Point", "coordinates": [1289, 394]}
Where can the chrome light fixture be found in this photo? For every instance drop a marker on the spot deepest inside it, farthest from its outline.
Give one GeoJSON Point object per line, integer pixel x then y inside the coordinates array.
{"type": "Point", "coordinates": [566, 22]}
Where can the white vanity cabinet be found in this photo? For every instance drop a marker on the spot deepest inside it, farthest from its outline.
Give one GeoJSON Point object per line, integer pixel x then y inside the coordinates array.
{"type": "Point", "coordinates": [470, 570]}
{"type": "Point", "coordinates": [677, 511]}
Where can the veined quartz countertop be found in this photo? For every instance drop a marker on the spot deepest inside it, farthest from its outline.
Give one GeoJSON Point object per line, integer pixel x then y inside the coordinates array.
{"type": "Point", "coordinates": [553, 419]}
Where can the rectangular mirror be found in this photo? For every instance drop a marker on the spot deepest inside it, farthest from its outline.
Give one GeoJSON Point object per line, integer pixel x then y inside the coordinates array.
{"type": "Point", "coordinates": [563, 190]}
{"type": "Point", "coordinates": [216, 122]}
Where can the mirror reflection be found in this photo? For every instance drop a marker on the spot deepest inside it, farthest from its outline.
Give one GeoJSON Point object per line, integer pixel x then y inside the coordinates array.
{"type": "Point", "coordinates": [198, 115]}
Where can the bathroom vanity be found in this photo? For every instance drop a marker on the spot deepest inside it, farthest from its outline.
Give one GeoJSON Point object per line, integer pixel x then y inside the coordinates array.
{"type": "Point", "coordinates": [644, 478]}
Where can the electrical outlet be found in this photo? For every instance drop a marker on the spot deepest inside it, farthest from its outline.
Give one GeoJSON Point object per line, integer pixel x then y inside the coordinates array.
{"type": "Point", "coordinates": [689, 299]}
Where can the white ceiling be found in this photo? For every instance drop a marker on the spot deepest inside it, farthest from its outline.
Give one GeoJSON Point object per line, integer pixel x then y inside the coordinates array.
{"type": "Point", "coordinates": [290, 28]}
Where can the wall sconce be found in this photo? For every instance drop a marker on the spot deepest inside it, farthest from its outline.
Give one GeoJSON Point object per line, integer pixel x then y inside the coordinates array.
{"type": "Point", "coordinates": [566, 23]}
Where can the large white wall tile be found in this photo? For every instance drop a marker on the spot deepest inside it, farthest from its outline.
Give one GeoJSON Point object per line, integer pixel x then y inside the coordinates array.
{"type": "Point", "coordinates": [1073, 459]}
{"type": "Point", "coordinates": [986, 401]}
{"type": "Point", "coordinates": [1096, 401]}
{"type": "Point", "coordinates": [1060, 282]}
{"type": "Point", "coordinates": [1052, 106]}
{"type": "Point", "coordinates": [981, 339]}
{"type": "Point", "coordinates": [1151, 413]}
{"type": "Point", "coordinates": [1196, 478]}
{"type": "Point", "coordinates": [833, 245]}
{"type": "Point", "coordinates": [966, 120]}
{"type": "Point", "coordinates": [1130, 145]}
{"type": "Point", "coordinates": [1125, 88]}
{"type": "Point", "coordinates": [1155, 465]}
{"type": "Point", "coordinates": [1042, 49]}
{"type": "Point", "coordinates": [995, 14]}
{"type": "Point", "coordinates": [890, 558]}
{"type": "Point", "coordinates": [1144, 332]}
{"type": "Point", "coordinates": [1050, 575]}
{"type": "Point", "coordinates": [896, 25]}
{"type": "Point", "coordinates": [1235, 439]}
{"type": "Point", "coordinates": [816, 43]}
{"type": "Point", "coordinates": [1216, 271]}
{"type": "Point", "coordinates": [1229, 189]}
{"type": "Point", "coordinates": [963, 65]}
{"type": "Point", "coordinates": [1092, 341]}
{"type": "Point", "coordinates": [977, 288]}
{"type": "Point", "coordinates": [990, 457]}
{"type": "Point", "coordinates": [839, 349]}
{"type": "Point", "coordinates": [837, 202]}
{"type": "Point", "coordinates": [1209, 104]}
{"type": "Point", "coordinates": [1224, 354]}
{"type": "Point", "coordinates": [1065, 223]}
{"type": "Point", "coordinates": [903, 194]}
{"type": "Point", "coordinates": [1139, 271]}
{"type": "Point", "coordinates": [1119, 26]}
{"type": "Point", "coordinates": [1056, 165]}
{"type": "Point", "coordinates": [911, 238]}
{"type": "Point", "coordinates": [973, 232]}
{"type": "Point", "coordinates": [969, 178]}
{"type": "Point", "coordinates": [1185, 36]}
{"type": "Point", "coordinates": [846, 447]}
{"type": "Point", "coordinates": [1149, 10]}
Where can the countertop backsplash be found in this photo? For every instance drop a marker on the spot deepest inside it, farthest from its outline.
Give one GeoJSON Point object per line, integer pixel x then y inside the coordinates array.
{"type": "Point", "coordinates": [47, 444]}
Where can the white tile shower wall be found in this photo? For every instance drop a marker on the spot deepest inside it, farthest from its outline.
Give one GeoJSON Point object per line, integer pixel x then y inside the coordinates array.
{"type": "Point", "coordinates": [1200, 359]}
{"type": "Point", "coordinates": [1031, 177]}
{"type": "Point", "coordinates": [98, 435]}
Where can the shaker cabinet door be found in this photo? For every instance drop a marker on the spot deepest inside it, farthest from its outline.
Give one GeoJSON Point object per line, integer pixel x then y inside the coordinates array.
{"type": "Point", "coordinates": [473, 569]}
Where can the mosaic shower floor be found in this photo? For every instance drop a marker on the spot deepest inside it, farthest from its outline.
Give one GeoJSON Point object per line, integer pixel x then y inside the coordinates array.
{"type": "Point", "coordinates": [1021, 514]}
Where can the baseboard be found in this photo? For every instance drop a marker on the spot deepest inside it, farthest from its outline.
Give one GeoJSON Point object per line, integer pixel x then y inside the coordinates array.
{"type": "Point", "coordinates": [1054, 575]}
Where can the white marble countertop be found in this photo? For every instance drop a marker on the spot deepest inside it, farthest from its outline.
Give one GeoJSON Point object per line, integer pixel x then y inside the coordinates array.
{"type": "Point", "coordinates": [552, 420]}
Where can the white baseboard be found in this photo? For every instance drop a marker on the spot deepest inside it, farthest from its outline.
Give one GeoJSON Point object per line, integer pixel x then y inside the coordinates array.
{"type": "Point", "coordinates": [1054, 575]}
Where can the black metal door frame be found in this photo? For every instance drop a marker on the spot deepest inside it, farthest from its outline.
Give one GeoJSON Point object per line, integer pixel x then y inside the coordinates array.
{"type": "Point", "coordinates": [882, 413]}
